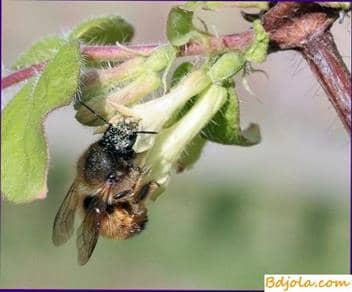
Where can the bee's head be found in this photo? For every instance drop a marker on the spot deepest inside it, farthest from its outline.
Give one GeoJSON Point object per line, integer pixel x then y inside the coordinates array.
{"type": "Point", "coordinates": [120, 137]}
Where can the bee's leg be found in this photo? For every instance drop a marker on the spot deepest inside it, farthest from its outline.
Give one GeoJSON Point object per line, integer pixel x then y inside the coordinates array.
{"type": "Point", "coordinates": [121, 195]}
{"type": "Point", "coordinates": [139, 210]}
{"type": "Point", "coordinates": [146, 190]}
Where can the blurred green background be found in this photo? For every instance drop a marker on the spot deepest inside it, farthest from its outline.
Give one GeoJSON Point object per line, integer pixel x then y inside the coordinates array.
{"type": "Point", "coordinates": [279, 207]}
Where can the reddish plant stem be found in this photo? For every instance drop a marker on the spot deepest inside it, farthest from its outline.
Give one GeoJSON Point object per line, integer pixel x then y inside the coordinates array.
{"type": "Point", "coordinates": [290, 25]}
{"type": "Point", "coordinates": [235, 42]}
{"type": "Point", "coordinates": [332, 73]}
{"type": "Point", "coordinates": [114, 53]}
{"type": "Point", "coordinates": [22, 75]}
{"type": "Point", "coordinates": [238, 41]}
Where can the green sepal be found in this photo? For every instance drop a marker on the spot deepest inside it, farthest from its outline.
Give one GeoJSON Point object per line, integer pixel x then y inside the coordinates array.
{"type": "Point", "coordinates": [258, 50]}
{"type": "Point", "coordinates": [225, 128]}
{"type": "Point", "coordinates": [180, 28]}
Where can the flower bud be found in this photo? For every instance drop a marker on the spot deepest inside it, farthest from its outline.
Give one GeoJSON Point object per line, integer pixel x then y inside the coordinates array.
{"type": "Point", "coordinates": [131, 93]}
{"type": "Point", "coordinates": [136, 90]}
{"type": "Point", "coordinates": [156, 112]}
{"type": "Point", "coordinates": [226, 66]}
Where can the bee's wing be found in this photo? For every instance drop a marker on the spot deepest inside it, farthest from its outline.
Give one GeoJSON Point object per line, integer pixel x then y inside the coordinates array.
{"type": "Point", "coordinates": [64, 220]}
{"type": "Point", "coordinates": [87, 235]}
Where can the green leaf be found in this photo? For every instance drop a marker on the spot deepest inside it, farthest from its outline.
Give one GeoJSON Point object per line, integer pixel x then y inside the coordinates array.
{"type": "Point", "coordinates": [225, 126]}
{"type": "Point", "coordinates": [103, 31]}
{"type": "Point", "coordinates": [179, 26]}
{"type": "Point", "coordinates": [24, 154]}
{"type": "Point", "coordinates": [41, 51]}
{"type": "Point", "coordinates": [191, 154]}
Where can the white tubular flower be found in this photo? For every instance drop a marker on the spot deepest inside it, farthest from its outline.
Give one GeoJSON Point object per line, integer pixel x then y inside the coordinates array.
{"type": "Point", "coordinates": [170, 143]}
{"type": "Point", "coordinates": [155, 113]}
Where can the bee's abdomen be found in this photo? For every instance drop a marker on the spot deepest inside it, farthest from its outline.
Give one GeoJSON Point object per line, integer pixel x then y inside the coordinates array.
{"type": "Point", "coordinates": [121, 225]}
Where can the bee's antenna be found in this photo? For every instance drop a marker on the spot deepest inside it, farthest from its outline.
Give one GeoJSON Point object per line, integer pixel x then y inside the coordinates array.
{"type": "Point", "coordinates": [78, 98]}
{"type": "Point", "coordinates": [146, 132]}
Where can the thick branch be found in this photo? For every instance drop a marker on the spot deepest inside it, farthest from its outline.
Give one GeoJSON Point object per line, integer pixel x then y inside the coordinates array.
{"type": "Point", "coordinates": [236, 42]}
{"type": "Point", "coordinates": [332, 73]}
{"type": "Point", "coordinates": [305, 27]}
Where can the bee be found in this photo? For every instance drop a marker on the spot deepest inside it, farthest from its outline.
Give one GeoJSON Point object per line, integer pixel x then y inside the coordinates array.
{"type": "Point", "coordinates": [103, 191]}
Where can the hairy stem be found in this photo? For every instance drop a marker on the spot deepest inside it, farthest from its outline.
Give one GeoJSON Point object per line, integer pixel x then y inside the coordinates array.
{"type": "Point", "coordinates": [291, 25]}
{"type": "Point", "coordinates": [233, 42]}
{"type": "Point", "coordinates": [22, 75]}
{"type": "Point", "coordinates": [332, 73]}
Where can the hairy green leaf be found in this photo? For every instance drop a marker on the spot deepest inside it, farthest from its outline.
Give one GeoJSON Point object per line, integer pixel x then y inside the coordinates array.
{"type": "Point", "coordinates": [24, 154]}
{"type": "Point", "coordinates": [41, 51]}
{"type": "Point", "coordinates": [224, 128]}
{"type": "Point", "coordinates": [179, 26]}
{"type": "Point", "coordinates": [103, 31]}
